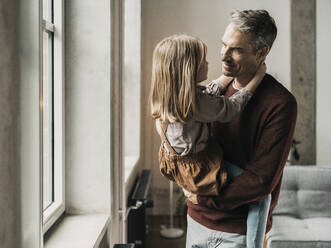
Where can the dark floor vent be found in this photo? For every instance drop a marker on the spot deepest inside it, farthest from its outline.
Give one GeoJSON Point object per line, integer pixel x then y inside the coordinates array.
{"type": "Point", "coordinates": [138, 203]}
{"type": "Point", "coordinates": [124, 246]}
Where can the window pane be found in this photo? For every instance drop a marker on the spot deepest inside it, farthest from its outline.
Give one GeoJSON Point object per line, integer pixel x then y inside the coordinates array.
{"type": "Point", "coordinates": [48, 140]}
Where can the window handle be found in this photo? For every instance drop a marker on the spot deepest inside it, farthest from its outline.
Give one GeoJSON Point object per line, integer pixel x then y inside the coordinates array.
{"type": "Point", "coordinates": [48, 26]}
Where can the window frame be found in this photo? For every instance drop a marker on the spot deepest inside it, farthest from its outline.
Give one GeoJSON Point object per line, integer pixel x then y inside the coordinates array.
{"type": "Point", "coordinates": [57, 208]}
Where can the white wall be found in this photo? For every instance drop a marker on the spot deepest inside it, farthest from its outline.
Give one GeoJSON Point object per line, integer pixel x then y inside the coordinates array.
{"type": "Point", "coordinates": [323, 79]}
{"type": "Point", "coordinates": [87, 106]}
{"type": "Point", "coordinates": [10, 197]}
{"type": "Point", "coordinates": [30, 205]}
{"type": "Point", "coordinates": [206, 20]}
{"type": "Point", "coordinates": [131, 77]}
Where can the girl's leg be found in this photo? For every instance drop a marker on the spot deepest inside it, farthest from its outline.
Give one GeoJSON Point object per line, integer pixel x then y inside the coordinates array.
{"type": "Point", "coordinates": [257, 222]}
{"type": "Point", "coordinates": [232, 169]}
{"type": "Point", "coordinates": [257, 214]}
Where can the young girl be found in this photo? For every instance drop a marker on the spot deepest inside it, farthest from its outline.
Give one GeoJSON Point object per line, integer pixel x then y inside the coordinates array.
{"type": "Point", "coordinates": [183, 111]}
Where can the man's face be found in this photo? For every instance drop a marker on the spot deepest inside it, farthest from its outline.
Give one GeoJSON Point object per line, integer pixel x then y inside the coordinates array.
{"type": "Point", "coordinates": [238, 57]}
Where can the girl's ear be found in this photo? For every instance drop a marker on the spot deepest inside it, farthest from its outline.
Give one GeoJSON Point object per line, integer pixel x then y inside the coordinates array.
{"type": "Point", "coordinates": [262, 53]}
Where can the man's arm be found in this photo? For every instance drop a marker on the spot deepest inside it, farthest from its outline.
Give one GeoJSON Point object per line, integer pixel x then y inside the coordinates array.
{"type": "Point", "coordinates": [265, 169]}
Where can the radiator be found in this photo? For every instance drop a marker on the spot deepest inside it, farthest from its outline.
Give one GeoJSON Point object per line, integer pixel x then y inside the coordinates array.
{"type": "Point", "coordinates": [137, 203]}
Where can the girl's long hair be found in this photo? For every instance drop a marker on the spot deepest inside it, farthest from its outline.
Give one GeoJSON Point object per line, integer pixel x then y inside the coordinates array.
{"type": "Point", "coordinates": [176, 60]}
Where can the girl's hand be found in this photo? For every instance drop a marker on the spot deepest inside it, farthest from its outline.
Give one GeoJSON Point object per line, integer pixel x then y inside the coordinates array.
{"type": "Point", "coordinates": [192, 197]}
{"type": "Point", "coordinates": [261, 71]}
{"type": "Point", "coordinates": [225, 80]}
{"type": "Point", "coordinates": [256, 80]}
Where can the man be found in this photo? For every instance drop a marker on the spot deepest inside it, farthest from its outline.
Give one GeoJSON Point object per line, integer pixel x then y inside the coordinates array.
{"type": "Point", "coordinates": [258, 140]}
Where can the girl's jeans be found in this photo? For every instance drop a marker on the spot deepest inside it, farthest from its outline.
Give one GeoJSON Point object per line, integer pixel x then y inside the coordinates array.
{"type": "Point", "coordinates": [257, 214]}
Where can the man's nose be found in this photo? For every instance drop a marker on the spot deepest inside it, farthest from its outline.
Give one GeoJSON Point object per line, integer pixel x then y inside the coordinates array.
{"type": "Point", "coordinates": [225, 54]}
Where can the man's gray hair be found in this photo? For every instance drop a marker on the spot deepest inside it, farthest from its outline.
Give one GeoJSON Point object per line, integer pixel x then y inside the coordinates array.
{"type": "Point", "coordinates": [259, 24]}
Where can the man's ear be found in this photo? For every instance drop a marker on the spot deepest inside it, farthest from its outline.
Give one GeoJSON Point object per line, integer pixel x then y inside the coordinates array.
{"type": "Point", "coordinates": [262, 53]}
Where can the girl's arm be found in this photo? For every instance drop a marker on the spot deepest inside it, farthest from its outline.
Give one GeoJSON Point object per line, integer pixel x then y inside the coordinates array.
{"type": "Point", "coordinates": [225, 81]}
{"type": "Point", "coordinates": [223, 109]}
{"type": "Point", "coordinates": [217, 86]}
{"type": "Point", "coordinates": [256, 80]}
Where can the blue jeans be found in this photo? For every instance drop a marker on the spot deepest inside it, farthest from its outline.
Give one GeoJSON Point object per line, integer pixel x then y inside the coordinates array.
{"type": "Point", "coordinates": [199, 236]}
{"type": "Point", "coordinates": [257, 213]}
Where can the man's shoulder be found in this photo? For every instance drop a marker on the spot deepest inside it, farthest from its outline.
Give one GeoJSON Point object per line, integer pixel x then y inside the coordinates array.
{"type": "Point", "coordinates": [272, 90]}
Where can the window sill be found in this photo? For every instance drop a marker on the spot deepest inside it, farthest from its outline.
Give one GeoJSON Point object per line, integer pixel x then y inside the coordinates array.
{"type": "Point", "coordinates": [83, 231]}
{"type": "Point", "coordinates": [51, 214]}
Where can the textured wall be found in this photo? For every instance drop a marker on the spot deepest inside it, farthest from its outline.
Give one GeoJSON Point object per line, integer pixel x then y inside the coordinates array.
{"type": "Point", "coordinates": [19, 124]}
{"type": "Point", "coordinates": [303, 62]}
{"type": "Point", "coordinates": [29, 143]}
{"type": "Point", "coordinates": [9, 107]}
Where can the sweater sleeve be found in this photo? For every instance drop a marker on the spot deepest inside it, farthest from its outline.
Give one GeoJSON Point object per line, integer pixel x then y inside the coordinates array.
{"type": "Point", "coordinates": [263, 172]}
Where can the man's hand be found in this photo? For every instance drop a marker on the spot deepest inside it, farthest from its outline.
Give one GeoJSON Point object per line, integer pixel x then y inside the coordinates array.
{"type": "Point", "coordinates": [192, 197]}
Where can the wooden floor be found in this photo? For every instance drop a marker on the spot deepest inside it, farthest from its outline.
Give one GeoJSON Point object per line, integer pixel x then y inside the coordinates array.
{"type": "Point", "coordinates": [153, 237]}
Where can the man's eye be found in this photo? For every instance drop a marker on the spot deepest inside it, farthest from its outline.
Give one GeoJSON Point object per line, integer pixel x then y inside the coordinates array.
{"type": "Point", "coordinates": [238, 50]}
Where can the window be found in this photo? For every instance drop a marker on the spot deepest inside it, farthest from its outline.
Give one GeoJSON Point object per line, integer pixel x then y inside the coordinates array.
{"type": "Point", "coordinates": [52, 114]}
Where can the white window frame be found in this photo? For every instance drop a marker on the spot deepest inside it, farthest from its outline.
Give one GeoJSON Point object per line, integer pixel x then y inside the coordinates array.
{"type": "Point", "coordinates": [57, 208]}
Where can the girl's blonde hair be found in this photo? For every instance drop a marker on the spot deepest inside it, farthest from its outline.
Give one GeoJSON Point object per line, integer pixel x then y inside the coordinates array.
{"type": "Point", "coordinates": [176, 60]}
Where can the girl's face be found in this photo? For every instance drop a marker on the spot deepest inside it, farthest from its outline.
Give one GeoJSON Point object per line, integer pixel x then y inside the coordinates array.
{"type": "Point", "coordinates": [202, 71]}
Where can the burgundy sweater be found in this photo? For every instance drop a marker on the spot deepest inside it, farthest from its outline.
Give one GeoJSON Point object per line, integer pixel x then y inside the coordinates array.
{"type": "Point", "coordinates": [258, 140]}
